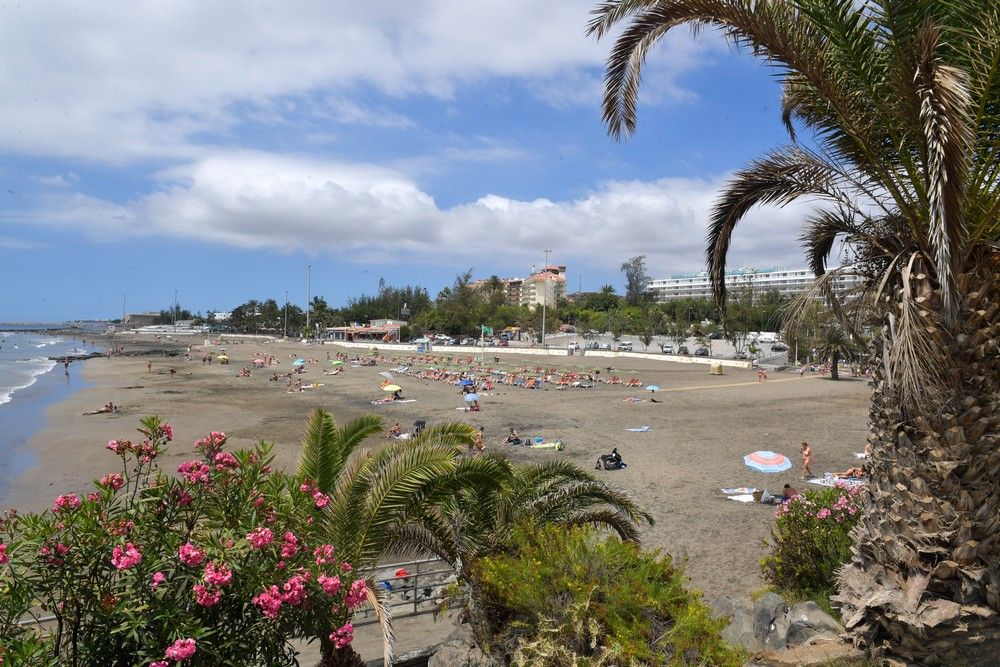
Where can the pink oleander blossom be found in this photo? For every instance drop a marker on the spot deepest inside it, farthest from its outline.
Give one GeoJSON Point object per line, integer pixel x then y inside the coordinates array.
{"type": "Point", "coordinates": [114, 445]}
{"type": "Point", "coordinates": [93, 497]}
{"type": "Point", "coordinates": [823, 513]}
{"type": "Point", "coordinates": [125, 558]}
{"type": "Point", "coordinates": [345, 567]}
{"type": "Point", "coordinates": [190, 555]}
{"type": "Point", "coordinates": [218, 574]}
{"type": "Point", "coordinates": [290, 545]}
{"type": "Point", "coordinates": [321, 499]}
{"type": "Point", "coordinates": [323, 554]}
{"type": "Point", "coordinates": [224, 460]}
{"type": "Point", "coordinates": [4, 558]}
{"type": "Point", "coordinates": [294, 590]}
{"type": "Point", "coordinates": [260, 537]}
{"type": "Point", "coordinates": [157, 579]}
{"type": "Point", "coordinates": [182, 497]}
{"type": "Point", "coordinates": [167, 431]}
{"type": "Point", "coordinates": [113, 481]}
{"type": "Point", "coordinates": [342, 636]}
{"type": "Point", "coordinates": [356, 594]}
{"type": "Point", "coordinates": [205, 596]}
{"type": "Point", "coordinates": [330, 585]}
{"type": "Point", "coordinates": [182, 649]}
{"type": "Point", "coordinates": [69, 501]}
{"type": "Point", "coordinates": [159, 663]}
{"type": "Point", "coordinates": [195, 472]}
{"type": "Point", "coordinates": [269, 602]}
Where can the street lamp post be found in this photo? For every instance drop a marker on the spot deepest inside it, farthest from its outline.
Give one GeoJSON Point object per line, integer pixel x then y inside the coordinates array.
{"type": "Point", "coordinates": [286, 314]}
{"type": "Point", "coordinates": [545, 293]}
{"type": "Point", "coordinates": [309, 270]}
{"type": "Point", "coordinates": [175, 311]}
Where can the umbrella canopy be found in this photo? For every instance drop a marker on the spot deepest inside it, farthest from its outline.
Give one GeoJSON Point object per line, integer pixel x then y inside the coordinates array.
{"type": "Point", "coordinates": [222, 356]}
{"type": "Point", "coordinates": [653, 387]}
{"type": "Point", "coordinates": [765, 461]}
{"type": "Point", "coordinates": [471, 397]}
{"type": "Point", "coordinates": [386, 374]}
{"type": "Point", "coordinates": [466, 382]}
{"type": "Point", "coordinates": [258, 361]}
{"type": "Point", "coordinates": [392, 388]}
{"type": "Point", "coordinates": [299, 362]}
{"type": "Point", "coordinates": [336, 362]}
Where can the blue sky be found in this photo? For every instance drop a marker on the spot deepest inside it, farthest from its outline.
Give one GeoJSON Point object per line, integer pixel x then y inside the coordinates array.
{"type": "Point", "coordinates": [219, 148]}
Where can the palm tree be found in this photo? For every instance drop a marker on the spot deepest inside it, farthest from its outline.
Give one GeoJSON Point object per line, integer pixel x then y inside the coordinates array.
{"type": "Point", "coordinates": [374, 494]}
{"type": "Point", "coordinates": [902, 101]}
{"type": "Point", "coordinates": [835, 343]}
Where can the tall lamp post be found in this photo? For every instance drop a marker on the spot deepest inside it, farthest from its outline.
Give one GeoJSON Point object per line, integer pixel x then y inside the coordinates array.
{"type": "Point", "coordinates": [175, 311]}
{"type": "Point", "coordinates": [309, 276]}
{"type": "Point", "coordinates": [286, 314]}
{"type": "Point", "coordinates": [545, 293]}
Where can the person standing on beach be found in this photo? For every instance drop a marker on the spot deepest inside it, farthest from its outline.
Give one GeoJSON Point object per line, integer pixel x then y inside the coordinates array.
{"type": "Point", "coordinates": [807, 459]}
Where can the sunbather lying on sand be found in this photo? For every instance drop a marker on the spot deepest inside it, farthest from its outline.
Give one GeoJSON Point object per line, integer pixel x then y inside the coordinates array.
{"type": "Point", "coordinates": [110, 407]}
{"type": "Point", "coordinates": [853, 473]}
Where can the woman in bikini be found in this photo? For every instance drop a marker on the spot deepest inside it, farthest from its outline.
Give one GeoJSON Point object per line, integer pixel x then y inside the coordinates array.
{"type": "Point", "coordinates": [807, 459]}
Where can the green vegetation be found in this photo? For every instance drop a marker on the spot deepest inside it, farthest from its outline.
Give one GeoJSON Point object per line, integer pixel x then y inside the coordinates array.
{"type": "Point", "coordinates": [572, 597]}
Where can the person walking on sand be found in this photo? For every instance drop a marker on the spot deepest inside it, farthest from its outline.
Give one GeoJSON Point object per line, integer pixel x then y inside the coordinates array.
{"type": "Point", "coordinates": [807, 459]}
{"type": "Point", "coordinates": [480, 443]}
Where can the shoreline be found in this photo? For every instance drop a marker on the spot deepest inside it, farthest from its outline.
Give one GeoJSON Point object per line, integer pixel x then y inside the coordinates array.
{"type": "Point", "coordinates": [701, 426]}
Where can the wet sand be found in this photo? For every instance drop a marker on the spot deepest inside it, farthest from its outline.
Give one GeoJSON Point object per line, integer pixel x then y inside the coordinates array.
{"type": "Point", "coordinates": [701, 428]}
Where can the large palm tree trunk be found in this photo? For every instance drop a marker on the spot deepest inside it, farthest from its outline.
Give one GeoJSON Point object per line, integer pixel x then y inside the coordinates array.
{"type": "Point", "coordinates": [924, 581]}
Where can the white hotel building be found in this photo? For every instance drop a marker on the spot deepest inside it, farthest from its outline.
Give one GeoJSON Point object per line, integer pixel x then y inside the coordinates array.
{"type": "Point", "coordinates": [698, 285]}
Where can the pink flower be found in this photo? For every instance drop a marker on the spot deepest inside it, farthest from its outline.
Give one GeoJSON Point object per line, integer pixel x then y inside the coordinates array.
{"type": "Point", "coordinates": [112, 481]}
{"type": "Point", "coordinates": [190, 555]}
{"type": "Point", "coordinates": [294, 590]}
{"type": "Point", "coordinates": [182, 649]}
{"type": "Point", "coordinates": [125, 558]}
{"type": "Point", "coordinates": [159, 663]}
{"type": "Point", "coordinates": [195, 472]}
{"type": "Point", "coordinates": [157, 579]}
{"type": "Point", "coordinates": [182, 496]}
{"type": "Point", "coordinates": [260, 537]}
{"type": "Point", "coordinates": [69, 501]}
{"type": "Point", "coordinates": [823, 513]}
{"type": "Point", "coordinates": [356, 594]}
{"type": "Point", "coordinates": [290, 545]}
{"type": "Point", "coordinates": [342, 636]}
{"type": "Point", "coordinates": [306, 487]}
{"type": "Point", "coordinates": [321, 499]}
{"type": "Point", "coordinates": [345, 567]}
{"type": "Point", "coordinates": [93, 497]}
{"type": "Point", "coordinates": [218, 575]}
{"type": "Point", "coordinates": [206, 597]}
{"type": "Point", "coordinates": [225, 460]}
{"type": "Point", "coordinates": [114, 446]}
{"type": "Point", "coordinates": [269, 602]}
{"type": "Point", "coordinates": [331, 585]}
{"type": "Point", "coordinates": [323, 554]}
{"type": "Point", "coordinates": [167, 431]}
{"type": "Point", "coordinates": [4, 559]}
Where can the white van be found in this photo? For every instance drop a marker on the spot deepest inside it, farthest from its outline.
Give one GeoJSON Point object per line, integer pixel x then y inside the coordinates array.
{"type": "Point", "coordinates": [625, 346]}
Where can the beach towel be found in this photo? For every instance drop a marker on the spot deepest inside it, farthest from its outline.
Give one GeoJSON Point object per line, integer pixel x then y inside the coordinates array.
{"type": "Point", "coordinates": [860, 455]}
{"type": "Point", "coordinates": [738, 490]}
{"type": "Point", "coordinates": [556, 445]}
{"type": "Point", "coordinates": [742, 497]}
{"type": "Point", "coordinates": [832, 481]}
{"type": "Point", "coordinates": [640, 429]}
{"type": "Point", "coordinates": [402, 400]}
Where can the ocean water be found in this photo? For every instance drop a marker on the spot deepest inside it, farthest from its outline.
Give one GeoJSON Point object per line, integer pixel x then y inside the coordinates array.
{"type": "Point", "coordinates": [29, 383]}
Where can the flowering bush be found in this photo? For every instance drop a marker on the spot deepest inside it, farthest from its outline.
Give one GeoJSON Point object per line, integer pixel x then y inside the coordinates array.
{"type": "Point", "coordinates": [811, 539]}
{"type": "Point", "coordinates": [221, 565]}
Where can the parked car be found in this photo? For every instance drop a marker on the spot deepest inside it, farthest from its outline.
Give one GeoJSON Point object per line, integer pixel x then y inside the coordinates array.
{"type": "Point", "coordinates": [701, 352]}
{"type": "Point", "coordinates": [506, 335]}
{"type": "Point", "coordinates": [605, 346]}
{"type": "Point", "coordinates": [625, 346]}
{"type": "Point", "coordinates": [503, 343]}
{"type": "Point", "coordinates": [469, 340]}
{"type": "Point", "coordinates": [442, 337]}
{"type": "Point", "coordinates": [573, 346]}
{"type": "Point", "coordinates": [715, 335]}
{"type": "Point", "coordinates": [682, 349]}
{"type": "Point", "coordinates": [779, 347]}
{"type": "Point", "coordinates": [740, 355]}
{"type": "Point", "coordinates": [668, 349]}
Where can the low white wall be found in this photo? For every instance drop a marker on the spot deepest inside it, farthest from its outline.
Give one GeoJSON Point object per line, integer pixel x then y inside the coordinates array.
{"type": "Point", "coordinates": [552, 352]}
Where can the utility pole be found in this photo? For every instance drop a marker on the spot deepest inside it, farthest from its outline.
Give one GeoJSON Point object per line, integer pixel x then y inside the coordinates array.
{"type": "Point", "coordinates": [309, 277]}
{"type": "Point", "coordinates": [286, 314]}
{"type": "Point", "coordinates": [123, 310]}
{"type": "Point", "coordinates": [175, 311]}
{"type": "Point", "coordinates": [545, 293]}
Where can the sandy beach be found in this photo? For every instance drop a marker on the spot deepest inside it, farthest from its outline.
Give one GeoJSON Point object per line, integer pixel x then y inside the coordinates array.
{"type": "Point", "coordinates": [701, 427]}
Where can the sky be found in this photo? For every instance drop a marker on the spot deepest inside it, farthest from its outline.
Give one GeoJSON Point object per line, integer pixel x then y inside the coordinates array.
{"type": "Point", "coordinates": [220, 148]}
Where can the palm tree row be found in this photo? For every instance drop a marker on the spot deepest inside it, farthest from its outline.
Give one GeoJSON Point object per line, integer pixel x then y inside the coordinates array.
{"type": "Point", "coordinates": [423, 496]}
{"type": "Point", "coordinates": [901, 103]}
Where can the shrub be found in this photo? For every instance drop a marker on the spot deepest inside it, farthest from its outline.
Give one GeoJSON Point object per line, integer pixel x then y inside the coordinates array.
{"type": "Point", "coordinates": [220, 565]}
{"type": "Point", "coordinates": [567, 596]}
{"type": "Point", "coordinates": [810, 540]}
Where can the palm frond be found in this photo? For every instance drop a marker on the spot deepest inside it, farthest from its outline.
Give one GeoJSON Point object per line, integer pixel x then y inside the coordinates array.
{"type": "Point", "coordinates": [325, 448]}
{"type": "Point", "coordinates": [378, 599]}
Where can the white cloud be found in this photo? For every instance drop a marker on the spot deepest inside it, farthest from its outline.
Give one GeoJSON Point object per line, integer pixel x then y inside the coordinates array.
{"type": "Point", "coordinates": [118, 81]}
{"type": "Point", "coordinates": [362, 213]}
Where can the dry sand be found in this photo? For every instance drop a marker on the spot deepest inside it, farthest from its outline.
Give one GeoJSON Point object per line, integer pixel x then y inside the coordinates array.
{"type": "Point", "coordinates": [701, 428]}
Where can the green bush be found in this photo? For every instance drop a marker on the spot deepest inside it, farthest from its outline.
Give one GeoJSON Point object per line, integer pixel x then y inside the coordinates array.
{"type": "Point", "coordinates": [568, 596]}
{"type": "Point", "coordinates": [810, 540]}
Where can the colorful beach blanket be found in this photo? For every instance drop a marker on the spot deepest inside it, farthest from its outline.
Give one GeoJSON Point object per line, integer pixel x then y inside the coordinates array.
{"type": "Point", "coordinates": [556, 445]}
{"type": "Point", "coordinates": [832, 481]}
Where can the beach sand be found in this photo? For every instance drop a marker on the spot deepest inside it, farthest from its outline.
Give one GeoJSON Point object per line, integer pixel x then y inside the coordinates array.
{"type": "Point", "coordinates": [702, 426]}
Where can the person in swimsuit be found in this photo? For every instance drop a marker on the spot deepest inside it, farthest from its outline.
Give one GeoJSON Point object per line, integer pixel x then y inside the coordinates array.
{"type": "Point", "coordinates": [807, 459]}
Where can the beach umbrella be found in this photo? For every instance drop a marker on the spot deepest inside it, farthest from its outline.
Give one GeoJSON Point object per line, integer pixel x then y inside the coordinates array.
{"type": "Point", "coordinates": [299, 362]}
{"type": "Point", "coordinates": [653, 387]}
{"type": "Point", "coordinates": [765, 461]}
{"type": "Point", "coordinates": [336, 362]}
{"type": "Point", "coordinates": [469, 398]}
{"type": "Point", "coordinates": [386, 374]}
{"type": "Point", "coordinates": [466, 382]}
{"type": "Point", "coordinates": [392, 388]}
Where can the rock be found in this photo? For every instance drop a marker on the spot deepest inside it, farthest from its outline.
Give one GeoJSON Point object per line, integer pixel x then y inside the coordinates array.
{"type": "Point", "coordinates": [460, 650]}
{"type": "Point", "coordinates": [819, 650]}
{"type": "Point", "coordinates": [739, 632]}
{"type": "Point", "coordinates": [777, 637]}
{"type": "Point", "coordinates": [768, 607]}
{"type": "Point", "coordinates": [806, 620]}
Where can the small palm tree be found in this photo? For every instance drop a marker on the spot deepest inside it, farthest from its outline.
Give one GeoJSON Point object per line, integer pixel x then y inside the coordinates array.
{"type": "Point", "coordinates": [833, 344]}
{"type": "Point", "coordinates": [374, 494]}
